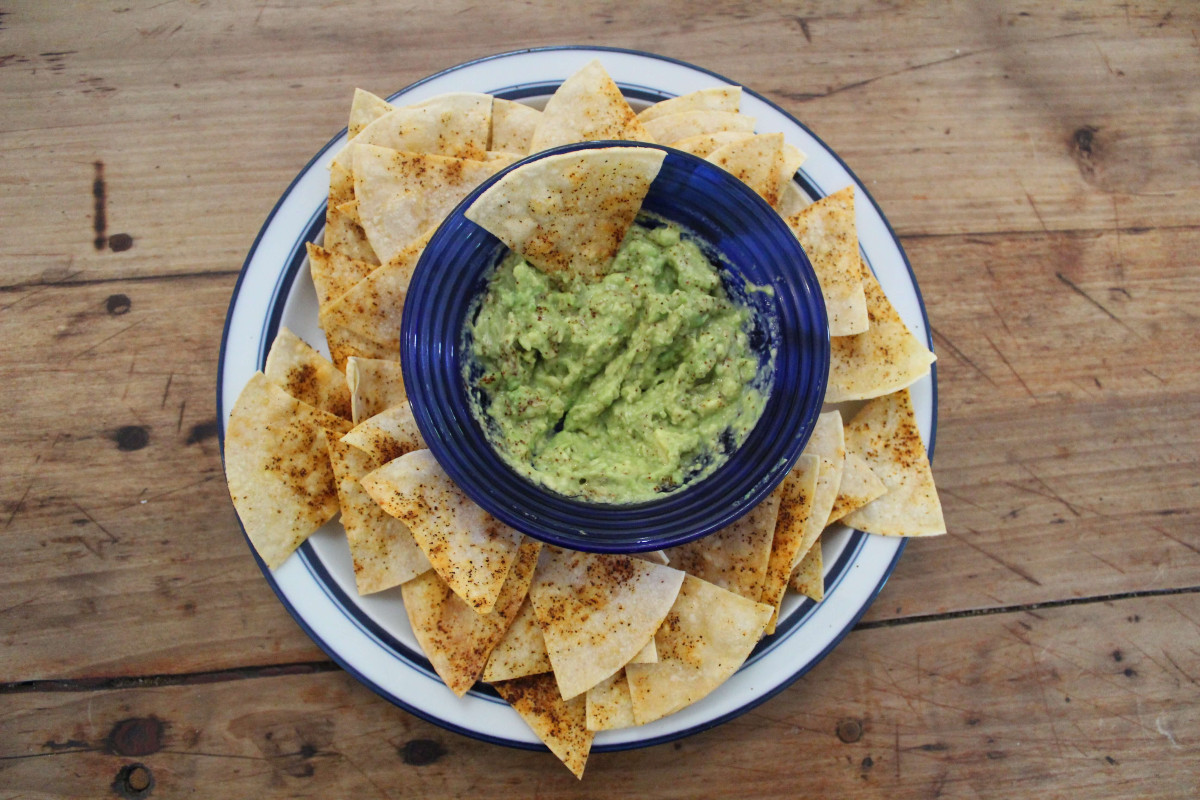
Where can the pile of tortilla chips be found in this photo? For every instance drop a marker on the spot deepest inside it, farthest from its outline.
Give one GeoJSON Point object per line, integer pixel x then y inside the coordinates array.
{"type": "Point", "coordinates": [575, 642]}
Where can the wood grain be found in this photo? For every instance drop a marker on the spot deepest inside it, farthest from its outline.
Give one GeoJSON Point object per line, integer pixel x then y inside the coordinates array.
{"type": "Point", "coordinates": [1042, 168]}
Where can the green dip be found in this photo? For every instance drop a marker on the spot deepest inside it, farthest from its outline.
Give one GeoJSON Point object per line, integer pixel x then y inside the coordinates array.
{"type": "Point", "coordinates": [619, 389]}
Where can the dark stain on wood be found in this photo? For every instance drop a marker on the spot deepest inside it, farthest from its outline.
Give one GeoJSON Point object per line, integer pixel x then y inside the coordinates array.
{"type": "Point", "coordinates": [1130, 672]}
{"type": "Point", "coordinates": [1111, 760]}
{"type": "Point", "coordinates": [202, 431]}
{"type": "Point", "coordinates": [867, 763]}
{"type": "Point", "coordinates": [136, 736]}
{"type": "Point", "coordinates": [850, 730]}
{"type": "Point", "coordinates": [118, 304]}
{"type": "Point", "coordinates": [131, 437]}
{"type": "Point", "coordinates": [133, 780]}
{"type": "Point", "coordinates": [99, 207]}
{"type": "Point", "coordinates": [120, 242]}
{"type": "Point", "coordinates": [422, 752]}
{"type": "Point", "coordinates": [1117, 656]}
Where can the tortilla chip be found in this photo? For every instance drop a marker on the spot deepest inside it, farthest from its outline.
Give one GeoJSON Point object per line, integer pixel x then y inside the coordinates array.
{"type": "Point", "coordinates": [647, 655]}
{"type": "Point", "coordinates": [334, 274]}
{"type": "Point", "coordinates": [828, 442]}
{"type": "Point", "coordinates": [455, 124]}
{"type": "Point", "coordinates": [735, 557]}
{"type": "Point", "coordinates": [374, 306]}
{"type": "Point", "coordinates": [808, 578]}
{"type": "Point", "coordinates": [717, 98]}
{"type": "Point", "coordinates": [704, 144]}
{"type": "Point", "coordinates": [307, 375]}
{"type": "Point", "coordinates": [756, 161]}
{"type": "Point", "coordinates": [521, 652]}
{"type": "Point", "coordinates": [455, 639]}
{"type": "Point", "coordinates": [278, 469]}
{"type": "Point", "coordinates": [401, 195]}
{"type": "Point", "coordinates": [382, 547]}
{"type": "Point", "coordinates": [792, 199]}
{"type": "Point", "coordinates": [586, 107]}
{"type": "Point", "coordinates": [609, 704]}
{"type": "Point", "coordinates": [827, 232]}
{"type": "Point", "coordinates": [673, 127]}
{"type": "Point", "coordinates": [346, 237]}
{"type": "Point", "coordinates": [798, 488]}
{"type": "Point", "coordinates": [365, 109]}
{"type": "Point", "coordinates": [597, 611]}
{"type": "Point", "coordinates": [884, 359]}
{"type": "Point", "coordinates": [859, 486]}
{"type": "Point", "coordinates": [470, 549]}
{"type": "Point", "coordinates": [387, 435]}
{"type": "Point", "coordinates": [568, 213]}
{"type": "Point", "coordinates": [706, 637]}
{"type": "Point", "coordinates": [345, 344]}
{"type": "Point", "coordinates": [560, 724]}
{"type": "Point", "coordinates": [341, 185]}
{"type": "Point", "coordinates": [791, 160]}
{"type": "Point", "coordinates": [885, 434]}
{"type": "Point", "coordinates": [376, 384]}
{"type": "Point", "coordinates": [513, 125]}
{"type": "Point", "coordinates": [654, 556]}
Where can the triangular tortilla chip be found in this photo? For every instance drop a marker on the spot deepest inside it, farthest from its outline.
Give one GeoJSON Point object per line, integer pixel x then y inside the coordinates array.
{"type": "Point", "coordinates": [798, 488]}
{"type": "Point", "coordinates": [568, 213]}
{"type": "Point", "coordinates": [345, 344]}
{"type": "Point", "coordinates": [885, 434]}
{"type": "Point", "coordinates": [792, 199]}
{"type": "Point", "coordinates": [647, 655]}
{"type": "Point", "coordinates": [346, 237]}
{"type": "Point", "coordinates": [791, 160]}
{"type": "Point", "coordinates": [560, 724]}
{"type": "Point", "coordinates": [455, 125]}
{"type": "Point", "coordinates": [513, 125]}
{"type": "Point", "coordinates": [402, 195]}
{"type": "Point", "coordinates": [341, 185]}
{"type": "Point", "coordinates": [586, 107]}
{"type": "Point", "coordinates": [704, 144]}
{"type": "Point", "coordinates": [453, 636]}
{"type": "Point", "coordinates": [374, 306]}
{"type": "Point", "coordinates": [828, 442]}
{"type": "Point", "coordinates": [597, 610]}
{"type": "Point", "coordinates": [735, 557]}
{"type": "Point", "coordinates": [808, 578]}
{"type": "Point", "coordinates": [756, 161]}
{"type": "Point", "coordinates": [859, 486]}
{"type": "Point", "coordinates": [334, 274]}
{"type": "Point", "coordinates": [307, 375]}
{"type": "Point", "coordinates": [827, 231]}
{"type": "Point", "coordinates": [376, 384]}
{"type": "Point", "coordinates": [705, 638]}
{"type": "Point", "coordinates": [278, 469]}
{"type": "Point", "coordinates": [609, 704]}
{"type": "Point", "coordinates": [521, 652]}
{"type": "Point", "coordinates": [382, 547]}
{"type": "Point", "coordinates": [717, 98]}
{"type": "Point", "coordinates": [673, 127]}
{"type": "Point", "coordinates": [884, 359]}
{"type": "Point", "coordinates": [365, 109]}
{"type": "Point", "coordinates": [387, 435]}
{"type": "Point", "coordinates": [469, 548]}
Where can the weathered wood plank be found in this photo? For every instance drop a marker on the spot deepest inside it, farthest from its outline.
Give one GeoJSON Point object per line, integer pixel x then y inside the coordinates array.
{"type": "Point", "coordinates": [1096, 700]}
{"type": "Point", "coordinates": [959, 119]}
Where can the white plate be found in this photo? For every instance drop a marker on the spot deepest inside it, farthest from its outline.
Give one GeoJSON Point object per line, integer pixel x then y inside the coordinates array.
{"type": "Point", "coordinates": [370, 636]}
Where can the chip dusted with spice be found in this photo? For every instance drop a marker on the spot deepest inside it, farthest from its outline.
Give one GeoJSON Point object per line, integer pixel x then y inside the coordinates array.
{"type": "Point", "coordinates": [705, 638]}
{"type": "Point", "coordinates": [560, 724]}
{"type": "Point", "coordinates": [456, 638]}
{"type": "Point", "coordinates": [809, 576]}
{"type": "Point", "coordinates": [885, 434]}
{"type": "Point", "coordinates": [670, 128]}
{"type": "Point", "coordinates": [798, 490]}
{"type": "Point", "coordinates": [597, 611]}
{"type": "Point", "coordinates": [568, 213]}
{"type": "Point", "coordinates": [307, 375]}
{"type": "Point", "coordinates": [387, 435]}
{"type": "Point", "coordinates": [588, 106]}
{"type": "Point", "coordinates": [277, 467]}
{"type": "Point", "coordinates": [716, 98]}
{"type": "Point", "coordinates": [365, 108]}
{"type": "Point", "coordinates": [859, 486]}
{"type": "Point", "coordinates": [828, 234]}
{"type": "Point", "coordinates": [513, 125]}
{"type": "Point", "coordinates": [334, 274]}
{"type": "Point", "coordinates": [382, 547]}
{"type": "Point", "coordinates": [521, 652]}
{"type": "Point", "coordinates": [468, 547]}
{"type": "Point", "coordinates": [376, 384]}
{"type": "Point", "coordinates": [756, 161]}
{"type": "Point", "coordinates": [609, 704]}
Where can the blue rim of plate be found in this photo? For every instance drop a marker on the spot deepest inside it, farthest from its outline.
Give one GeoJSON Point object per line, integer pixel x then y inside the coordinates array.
{"type": "Point", "coordinates": [417, 661]}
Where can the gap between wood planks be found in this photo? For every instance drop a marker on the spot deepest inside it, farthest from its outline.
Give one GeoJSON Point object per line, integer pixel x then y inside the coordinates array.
{"type": "Point", "coordinates": [313, 667]}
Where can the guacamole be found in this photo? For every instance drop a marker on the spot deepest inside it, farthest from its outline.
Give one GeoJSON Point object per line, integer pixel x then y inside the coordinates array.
{"type": "Point", "coordinates": [621, 388]}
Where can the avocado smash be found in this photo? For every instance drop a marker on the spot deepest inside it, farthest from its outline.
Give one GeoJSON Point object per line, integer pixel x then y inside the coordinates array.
{"type": "Point", "coordinates": [619, 388]}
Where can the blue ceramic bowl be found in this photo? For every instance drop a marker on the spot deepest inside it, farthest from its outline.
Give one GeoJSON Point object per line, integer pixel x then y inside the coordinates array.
{"type": "Point", "coordinates": [755, 247]}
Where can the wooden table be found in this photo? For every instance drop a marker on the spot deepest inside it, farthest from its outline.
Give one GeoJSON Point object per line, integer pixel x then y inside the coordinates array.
{"type": "Point", "coordinates": [1040, 162]}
